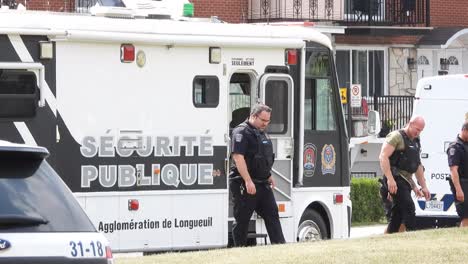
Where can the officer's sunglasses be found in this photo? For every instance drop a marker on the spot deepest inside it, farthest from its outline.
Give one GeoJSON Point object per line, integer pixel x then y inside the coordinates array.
{"type": "Point", "coordinates": [263, 120]}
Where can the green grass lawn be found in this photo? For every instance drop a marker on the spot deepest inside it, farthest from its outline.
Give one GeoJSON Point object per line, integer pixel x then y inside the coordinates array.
{"type": "Point", "coordinates": [429, 246]}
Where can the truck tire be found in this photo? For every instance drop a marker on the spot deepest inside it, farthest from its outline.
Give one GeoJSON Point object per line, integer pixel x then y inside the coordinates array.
{"type": "Point", "coordinates": [311, 227]}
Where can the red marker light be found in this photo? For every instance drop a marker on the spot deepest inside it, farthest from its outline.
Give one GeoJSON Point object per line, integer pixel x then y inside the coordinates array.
{"type": "Point", "coordinates": [291, 57]}
{"type": "Point", "coordinates": [127, 53]}
{"type": "Point", "coordinates": [338, 198]}
{"type": "Point", "coordinates": [133, 205]}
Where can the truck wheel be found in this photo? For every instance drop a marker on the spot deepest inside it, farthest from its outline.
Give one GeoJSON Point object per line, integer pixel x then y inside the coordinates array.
{"type": "Point", "coordinates": [311, 227]}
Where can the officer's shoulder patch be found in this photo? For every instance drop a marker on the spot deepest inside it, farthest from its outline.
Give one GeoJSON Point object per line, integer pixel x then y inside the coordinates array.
{"type": "Point", "coordinates": [238, 137]}
{"type": "Point", "coordinates": [452, 151]}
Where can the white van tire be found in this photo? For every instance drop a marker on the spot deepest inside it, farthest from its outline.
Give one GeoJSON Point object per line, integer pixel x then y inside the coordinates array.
{"type": "Point", "coordinates": [311, 227]}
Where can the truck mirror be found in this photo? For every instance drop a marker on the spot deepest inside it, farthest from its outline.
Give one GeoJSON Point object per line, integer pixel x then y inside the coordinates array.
{"type": "Point", "coordinates": [373, 123]}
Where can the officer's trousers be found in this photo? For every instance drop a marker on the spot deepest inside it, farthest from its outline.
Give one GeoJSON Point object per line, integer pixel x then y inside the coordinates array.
{"type": "Point", "coordinates": [462, 207]}
{"type": "Point", "coordinates": [403, 210]}
{"type": "Point", "coordinates": [263, 202]}
{"type": "Point", "coordinates": [387, 204]}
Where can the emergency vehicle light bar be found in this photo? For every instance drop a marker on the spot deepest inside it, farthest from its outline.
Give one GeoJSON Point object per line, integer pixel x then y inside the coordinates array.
{"type": "Point", "coordinates": [29, 66]}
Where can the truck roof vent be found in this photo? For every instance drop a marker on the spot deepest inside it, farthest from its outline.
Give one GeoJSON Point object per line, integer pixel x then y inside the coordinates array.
{"type": "Point", "coordinates": [156, 9]}
{"type": "Point", "coordinates": [112, 12]}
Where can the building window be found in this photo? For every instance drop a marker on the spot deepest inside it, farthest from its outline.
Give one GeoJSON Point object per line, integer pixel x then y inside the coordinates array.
{"type": "Point", "coordinates": [422, 60]}
{"type": "Point", "coordinates": [206, 91]}
{"type": "Point", "coordinates": [453, 60]}
{"type": "Point", "coordinates": [365, 67]}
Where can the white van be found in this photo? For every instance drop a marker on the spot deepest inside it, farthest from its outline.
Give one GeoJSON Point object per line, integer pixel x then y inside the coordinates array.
{"type": "Point", "coordinates": [443, 102]}
{"type": "Point", "coordinates": [137, 114]}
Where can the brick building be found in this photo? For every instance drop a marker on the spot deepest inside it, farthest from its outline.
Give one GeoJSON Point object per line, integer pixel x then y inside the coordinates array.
{"type": "Point", "coordinates": [384, 45]}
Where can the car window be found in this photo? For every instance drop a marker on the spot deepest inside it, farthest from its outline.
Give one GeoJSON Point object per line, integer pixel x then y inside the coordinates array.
{"type": "Point", "coordinates": [33, 198]}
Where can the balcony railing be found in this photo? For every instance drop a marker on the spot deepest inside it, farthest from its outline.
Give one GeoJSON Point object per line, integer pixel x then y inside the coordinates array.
{"type": "Point", "coordinates": [387, 12]}
{"type": "Point", "coordinates": [83, 6]}
{"type": "Point", "coordinates": [348, 12]}
{"type": "Point", "coordinates": [301, 10]}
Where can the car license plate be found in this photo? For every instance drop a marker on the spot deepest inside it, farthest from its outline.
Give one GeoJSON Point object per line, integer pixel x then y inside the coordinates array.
{"type": "Point", "coordinates": [434, 205]}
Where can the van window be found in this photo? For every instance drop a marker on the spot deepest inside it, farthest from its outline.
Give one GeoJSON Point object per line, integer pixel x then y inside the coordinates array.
{"type": "Point", "coordinates": [276, 97]}
{"type": "Point", "coordinates": [19, 94]}
{"type": "Point", "coordinates": [319, 111]}
{"type": "Point", "coordinates": [206, 91]}
{"type": "Point", "coordinates": [239, 98]}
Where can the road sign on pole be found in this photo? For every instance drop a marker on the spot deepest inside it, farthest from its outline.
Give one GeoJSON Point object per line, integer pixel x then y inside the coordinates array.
{"type": "Point", "coordinates": [355, 95]}
{"type": "Point", "coordinates": [344, 96]}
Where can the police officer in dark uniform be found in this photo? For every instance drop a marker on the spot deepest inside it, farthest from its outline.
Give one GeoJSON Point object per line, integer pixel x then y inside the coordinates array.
{"type": "Point", "coordinates": [251, 182]}
{"type": "Point", "coordinates": [457, 153]}
{"type": "Point", "coordinates": [399, 159]}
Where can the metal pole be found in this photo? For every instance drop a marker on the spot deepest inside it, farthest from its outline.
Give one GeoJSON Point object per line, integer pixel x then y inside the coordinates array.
{"type": "Point", "coordinates": [428, 13]}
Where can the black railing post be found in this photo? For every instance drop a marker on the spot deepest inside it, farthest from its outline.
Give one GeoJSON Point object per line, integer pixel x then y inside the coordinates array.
{"type": "Point", "coordinates": [350, 116]}
{"type": "Point", "coordinates": [376, 106]}
{"type": "Point", "coordinates": [428, 13]}
{"type": "Point", "coordinates": [369, 10]}
{"type": "Point", "coordinates": [376, 103]}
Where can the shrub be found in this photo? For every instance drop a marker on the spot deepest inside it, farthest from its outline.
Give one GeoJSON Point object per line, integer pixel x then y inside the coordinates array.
{"type": "Point", "coordinates": [367, 204]}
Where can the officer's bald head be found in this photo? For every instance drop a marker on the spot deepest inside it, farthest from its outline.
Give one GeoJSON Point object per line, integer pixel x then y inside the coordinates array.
{"type": "Point", "coordinates": [465, 126]}
{"type": "Point", "coordinates": [415, 126]}
{"type": "Point", "coordinates": [417, 120]}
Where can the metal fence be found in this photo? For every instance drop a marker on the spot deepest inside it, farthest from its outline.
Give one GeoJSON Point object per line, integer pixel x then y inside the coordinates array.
{"type": "Point", "coordinates": [395, 111]}
{"type": "Point", "coordinates": [364, 174]}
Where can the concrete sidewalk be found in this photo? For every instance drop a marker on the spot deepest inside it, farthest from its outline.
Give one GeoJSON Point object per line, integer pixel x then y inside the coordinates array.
{"type": "Point", "coordinates": [365, 231]}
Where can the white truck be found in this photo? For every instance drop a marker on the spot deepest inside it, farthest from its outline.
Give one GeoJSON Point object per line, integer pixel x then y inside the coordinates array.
{"type": "Point", "coordinates": [137, 115]}
{"type": "Point", "coordinates": [443, 102]}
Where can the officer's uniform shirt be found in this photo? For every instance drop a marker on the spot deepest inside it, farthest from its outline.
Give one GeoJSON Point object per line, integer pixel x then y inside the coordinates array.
{"type": "Point", "coordinates": [395, 139]}
{"type": "Point", "coordinates": [244, 141]}
{"type": "Point", "coordinates": [259, 158]}
{"type": "Point", "coordinates": [456, 157]}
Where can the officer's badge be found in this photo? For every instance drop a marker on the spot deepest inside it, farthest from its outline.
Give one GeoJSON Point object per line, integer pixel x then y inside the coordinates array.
{"type": "Point", "coordinates": [328, 159]}
{"type": "Point", "coordinates": [309, 159]}
{"type": "Point", "coordinates": [238, 137]}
